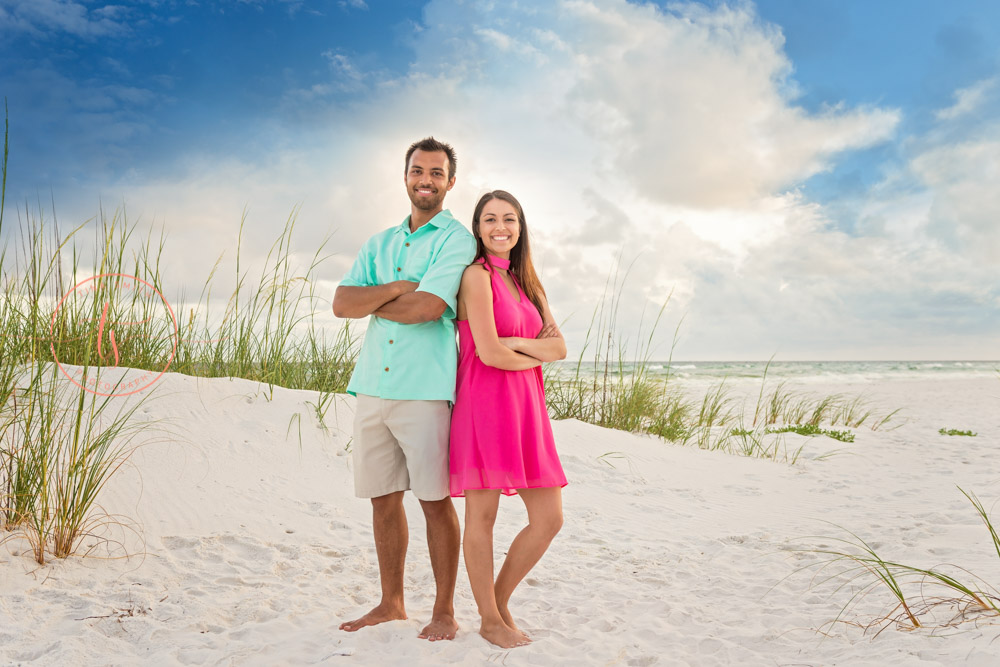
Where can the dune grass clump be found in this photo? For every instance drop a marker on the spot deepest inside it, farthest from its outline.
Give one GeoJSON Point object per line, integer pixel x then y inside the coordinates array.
{"type": "Point", "coordinates": [62, 446]}
{"type": "Point", "coordinates": [783, 406]}
{"type": "Point", "coordinates": [801, 429]}
{"type": "Point", "coordinates": [605, 389]}
{"type": "Point", "coordinates": [953, 431]}
{"type": "Point", "coordinates": [812, 429]}
{"type": "Point", "coordinates": [617, 394]}
{"type": "Point", "coordinates": [938, 597]}
{"type": "Point", "coordinates": [59, 443]}
{"type": "Point", "coordinates": [268, 331]}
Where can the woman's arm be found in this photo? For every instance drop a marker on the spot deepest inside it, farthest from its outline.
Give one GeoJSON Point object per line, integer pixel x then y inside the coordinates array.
{"type": "Point", "coordinates": [476, 298]}
{"type": "Point", "coordinates": [549, 345]}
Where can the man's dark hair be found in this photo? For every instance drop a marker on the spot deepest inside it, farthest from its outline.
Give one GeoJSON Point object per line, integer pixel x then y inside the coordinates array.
{"type": "Point", "coordinates": [432, 145]}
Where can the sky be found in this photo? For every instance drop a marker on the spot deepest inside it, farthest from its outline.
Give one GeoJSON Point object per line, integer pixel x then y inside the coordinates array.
{"type": "Point", "coordinates": [804, 180]}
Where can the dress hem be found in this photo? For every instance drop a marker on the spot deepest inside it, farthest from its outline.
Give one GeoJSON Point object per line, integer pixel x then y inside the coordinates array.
{"type": "Point", "coordinates": [509, 491]}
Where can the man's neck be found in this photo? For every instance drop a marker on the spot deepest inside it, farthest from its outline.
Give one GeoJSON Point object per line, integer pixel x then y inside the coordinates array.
{"type": "Point", "coordinates": [420, 217]}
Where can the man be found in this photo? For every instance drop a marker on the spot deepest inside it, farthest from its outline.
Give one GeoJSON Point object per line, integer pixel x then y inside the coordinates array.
{"type": "Point", "coordinates": [407, 279]}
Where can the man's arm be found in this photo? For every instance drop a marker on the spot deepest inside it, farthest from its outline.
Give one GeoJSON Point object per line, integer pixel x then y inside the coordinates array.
{"type": "Point", "coordinates": [412, 308]}
{"type": "Point", "coordinates": [435, 297]}
{"type": "Point", "coordinates": [353, 301]}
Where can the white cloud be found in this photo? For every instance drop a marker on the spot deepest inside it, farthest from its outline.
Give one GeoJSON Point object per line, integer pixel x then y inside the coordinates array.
{"type": "Point", "coordinates": [692, 106]}
{"type": "Point", "coordinates": [968, 99]}
{"type": "Point", "coordinates": [962, 179]}
{"type": "Point", "coordinates": [63, 16]}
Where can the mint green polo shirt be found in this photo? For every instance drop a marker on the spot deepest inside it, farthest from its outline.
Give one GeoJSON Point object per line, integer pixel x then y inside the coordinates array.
{"type": "Point", "coordinates": [412, 361]}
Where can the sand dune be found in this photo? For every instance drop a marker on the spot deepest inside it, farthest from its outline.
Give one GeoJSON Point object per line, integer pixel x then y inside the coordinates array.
{"type": "Point", "coordinates": [253, 548]}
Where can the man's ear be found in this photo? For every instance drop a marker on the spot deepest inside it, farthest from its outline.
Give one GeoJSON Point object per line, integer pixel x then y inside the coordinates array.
{"type": "Point", "coordinates": [451, 183]}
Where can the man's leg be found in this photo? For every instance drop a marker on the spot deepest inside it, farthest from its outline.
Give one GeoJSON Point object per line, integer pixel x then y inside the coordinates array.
{"type": "Point", "coordinates": [380, 474]}
{"type": "Point", "coordinates": [422, 429]}
{"type": "Point", "coordinates": [443, 542]}
{"type": "Point", "coordinates": [391, 538]}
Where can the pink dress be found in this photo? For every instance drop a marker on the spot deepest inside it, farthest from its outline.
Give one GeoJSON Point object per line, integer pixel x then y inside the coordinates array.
{"type": "Point", "coordinates": [501, 437]}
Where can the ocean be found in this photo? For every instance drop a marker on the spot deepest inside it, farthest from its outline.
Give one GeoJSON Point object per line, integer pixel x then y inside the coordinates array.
{"type": "Point", "coordinates": [797, 371]}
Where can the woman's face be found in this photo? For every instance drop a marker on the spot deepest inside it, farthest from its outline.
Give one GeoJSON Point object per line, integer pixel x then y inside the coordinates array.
{"type": "Point", "coordinates": [498, 227]}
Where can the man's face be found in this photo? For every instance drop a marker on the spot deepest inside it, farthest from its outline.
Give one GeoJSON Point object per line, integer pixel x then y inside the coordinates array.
{"type": "Point", "coordinates": [427, 179]}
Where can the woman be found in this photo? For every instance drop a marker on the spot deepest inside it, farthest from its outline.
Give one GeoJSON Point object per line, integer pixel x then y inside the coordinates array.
{"type": "Point", "coordinates": [501, 438]}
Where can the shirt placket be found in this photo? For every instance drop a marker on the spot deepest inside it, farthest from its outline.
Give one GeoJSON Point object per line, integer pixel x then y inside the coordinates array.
{"type": "Point", "coordinates": [393, 329]}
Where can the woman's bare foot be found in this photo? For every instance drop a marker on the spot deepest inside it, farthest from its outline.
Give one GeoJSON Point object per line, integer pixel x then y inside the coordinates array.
{"type": "Point", "coordinates": [380, 614]}
{"type": "Point", "coordinates": [503, 636]}
{"type": "Point", "coordinates": [509, 621]}
{"type": "Point", "coordinates": [443, 627]}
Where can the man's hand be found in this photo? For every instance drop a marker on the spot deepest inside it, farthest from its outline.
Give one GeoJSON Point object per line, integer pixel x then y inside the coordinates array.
{"type": "Point", "coordinates": [413, 307]}
{"type": "Point", "coordinates": [405, 286]}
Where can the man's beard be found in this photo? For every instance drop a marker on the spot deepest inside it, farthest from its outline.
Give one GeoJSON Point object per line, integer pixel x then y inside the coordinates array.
{"type": "Point", "coordinates": [426, 203]}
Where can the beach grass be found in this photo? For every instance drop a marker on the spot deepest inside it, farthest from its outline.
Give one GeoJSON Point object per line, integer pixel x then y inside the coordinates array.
{"type": "Point", "coordinates": [955, 431]}
{"type": "Point", "coordinates": [935, 597]}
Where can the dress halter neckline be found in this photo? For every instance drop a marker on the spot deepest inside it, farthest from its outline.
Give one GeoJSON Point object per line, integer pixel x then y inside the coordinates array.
{"type": "Point", "coordinates": [498, 262]}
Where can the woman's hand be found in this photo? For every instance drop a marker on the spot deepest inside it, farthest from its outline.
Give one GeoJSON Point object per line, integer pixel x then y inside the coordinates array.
{"type": "Point", "coordinates": [548, 331]}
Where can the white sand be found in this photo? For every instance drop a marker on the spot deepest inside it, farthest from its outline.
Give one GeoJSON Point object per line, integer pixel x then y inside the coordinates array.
{"type": "Point", "coordinates": [256, 548]}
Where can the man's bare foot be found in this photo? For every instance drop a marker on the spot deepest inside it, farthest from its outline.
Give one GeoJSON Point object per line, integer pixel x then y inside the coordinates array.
{"type": "Point", "coordinates": [379, 614]}
{"type": "Point", "coordinates": [509, 620]}
{"type": "Point", "coordinates": [503, 636]}
{"type": "Point", "coordinates": [440, 627]}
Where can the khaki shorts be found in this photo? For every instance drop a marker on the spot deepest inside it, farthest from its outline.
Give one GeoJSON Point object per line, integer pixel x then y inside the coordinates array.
{"type": "Point", "coordinates": [401, 445]}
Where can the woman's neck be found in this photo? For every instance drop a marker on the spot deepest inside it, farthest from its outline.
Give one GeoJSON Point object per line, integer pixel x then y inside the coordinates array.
{"type": "Point", "coordinates": [499, 261]}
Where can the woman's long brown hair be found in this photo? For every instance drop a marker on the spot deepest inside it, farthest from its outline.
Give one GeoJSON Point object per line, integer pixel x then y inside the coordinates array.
{"type": "Point", "coordinates": [520, 255]}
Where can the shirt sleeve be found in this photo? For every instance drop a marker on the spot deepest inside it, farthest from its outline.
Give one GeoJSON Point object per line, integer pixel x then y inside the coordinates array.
{"type": "Point", "coordinates": [444, 275]}
{"type": "Point", "coordinates": [362, 273]}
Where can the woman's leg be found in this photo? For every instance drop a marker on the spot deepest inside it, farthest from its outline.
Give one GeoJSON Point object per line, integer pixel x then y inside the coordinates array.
{"type": "Point", "coordinates": [544, 521]}
{"type": "Point", "coordinates": [477, 544]}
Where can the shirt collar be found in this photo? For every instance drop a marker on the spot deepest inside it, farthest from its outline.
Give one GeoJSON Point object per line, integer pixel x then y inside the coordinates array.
{"type": "Point", "coordinates": [442, 219]}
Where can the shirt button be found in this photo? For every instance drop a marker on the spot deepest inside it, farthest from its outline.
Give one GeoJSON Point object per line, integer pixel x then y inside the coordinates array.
{"type": "Point", "coordinates": [399, 268]}
{"type": "Point", "coordinates": [407, 245]}
{"type": "Point", "coordinates": [387, 369]}
{"type": "Point", "coordinates": [390, 341]}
